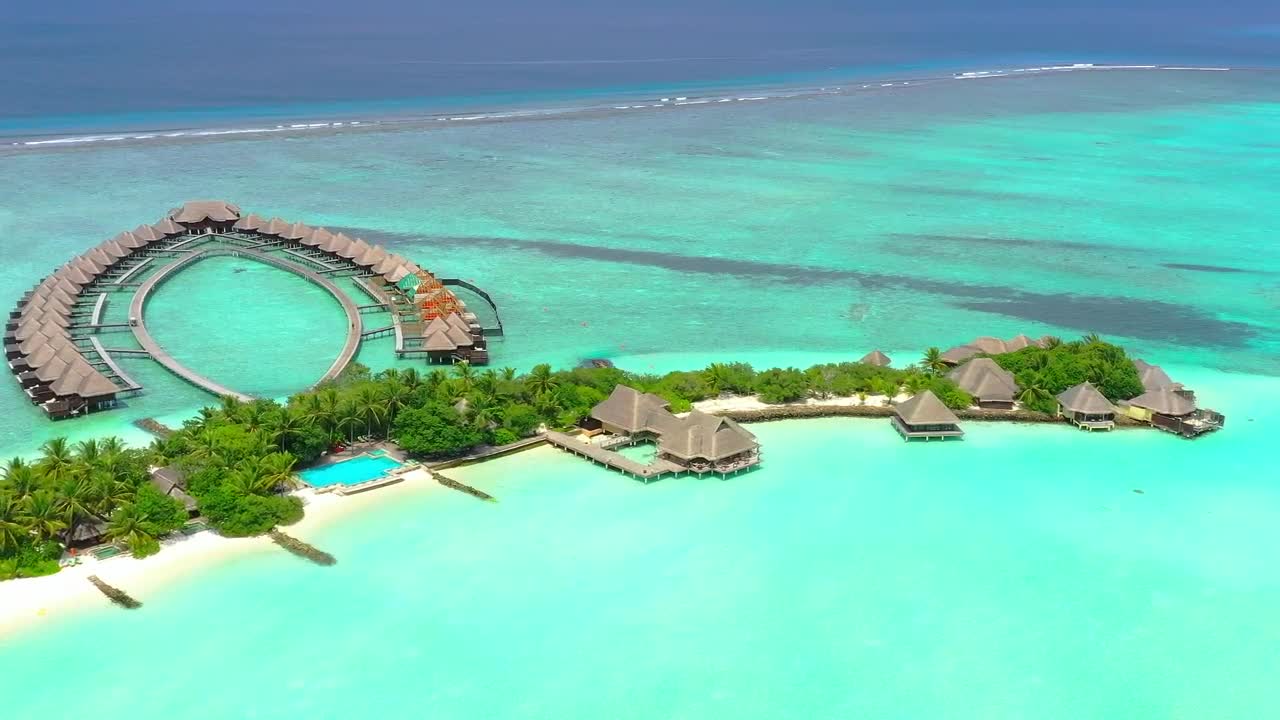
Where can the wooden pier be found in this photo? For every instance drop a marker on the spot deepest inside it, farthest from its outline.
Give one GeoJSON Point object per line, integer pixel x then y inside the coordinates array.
{"type": "Point", "coordinates": [613, 460]}
{"type": "Point", "coordinates": [111, 363]}
{"type": "Point", "coordinates": [132, 271]}
{"type": "Point", "coordinates": [98, 307]}
{"type": "Point", "coordinates": [148, 343]}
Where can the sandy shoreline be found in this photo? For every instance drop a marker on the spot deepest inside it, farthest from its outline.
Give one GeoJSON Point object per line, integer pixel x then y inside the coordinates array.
{"type": "Point", "coordinates": [27, 603]}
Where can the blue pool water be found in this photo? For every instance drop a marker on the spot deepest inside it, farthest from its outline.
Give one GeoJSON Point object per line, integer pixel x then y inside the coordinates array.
{"type": "Point", "coordinates": [350, 472]}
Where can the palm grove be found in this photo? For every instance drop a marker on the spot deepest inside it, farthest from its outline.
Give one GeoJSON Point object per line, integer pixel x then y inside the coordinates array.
{"type": "Point", "coordinates": [239, 457]}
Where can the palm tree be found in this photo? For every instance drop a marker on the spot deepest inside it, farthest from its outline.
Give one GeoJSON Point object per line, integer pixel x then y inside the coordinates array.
{"type": "Point", "coordinates": [129, 526]}
{"type": "Point", "coordinates": [56, 459]}
{"type": "Point", "coordinates": [371, 408]}
{"type": "Point", "coordinates": [14, 528]}
{"type": "Point", "coordinates": [43, 514]}
{"type": "Point", "coordinates": [932, 361]}
{"type": "Point", "coordinates": [289, 425]}
{"type": "Point", "coordinates": [21, 478]}
{"type": "Point", "coordinates": [1092, 339]}
{"type": "Point", "coordinates": [435, 380]}
{"type": "Point", "coordinates": [394, 395]}
{"type": "Point", "coordinates": [487, 382]}
{"type": "Point", "coordinates": [76, 499]}
{"type": "Point", "coordinates": [1052, 341]}
{"type": "Point", "coordinates": [231, 406]}
{"type": "Point", "coordinates": [348, 418]}
{"type": "Point", "coordinates": [277, 468]}
{"type": "Point", "coordinates": [110, 444]}
{"type": "Point", "coordinates": [508, 373]}
{"type": "Point", "coordinates": [1033, 391]}
{"type": "Point", "coordinates": [203, 420]}
{"type": "Point", "coordinates": [106, 494]}
{"type": "Point", "coordinates": [465, 375]}
{"type": "Point", "coordinates": [87, 451]}
{"type": "Point", "coordinates": [541, 381]}
{"type": "Point", "coordinates": [411, 379]}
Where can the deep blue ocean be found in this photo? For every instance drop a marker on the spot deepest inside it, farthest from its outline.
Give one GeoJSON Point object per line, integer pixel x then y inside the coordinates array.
{"type": "Point", "coordinates": [76, 67]}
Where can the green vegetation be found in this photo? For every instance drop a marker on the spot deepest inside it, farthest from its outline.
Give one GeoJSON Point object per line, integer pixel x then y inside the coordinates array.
{"type": "Point", "coordinates": [45, 504]}
{"type": "Point", "coordinates": [1043, 373]}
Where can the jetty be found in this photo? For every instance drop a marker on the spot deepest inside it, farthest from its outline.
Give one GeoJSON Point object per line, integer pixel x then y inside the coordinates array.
{"type": "Point", "coordinates": [463, 487]}
{"type": "Point", "coordinates": [301, 549]}
{"type": "Point", "coordinates": [116, 595]}
{"type": "Point", "coordinates": [612, 459]}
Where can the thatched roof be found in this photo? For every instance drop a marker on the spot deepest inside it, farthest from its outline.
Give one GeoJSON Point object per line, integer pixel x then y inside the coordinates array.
{"type": "Point", "coordinates": [129, 240]}
{"type": "Point", "coordinates": [972, 377]}
{"type": "Point", "coordinates": [171, 481]}
{"type": "Point", "coordinates": [959, 354]}
{"type": "Point", "coordinates": [275, 226]}
{"type": "Point", "coordinates": [396, 275]}
{"type": "Point", "coordinates": [1165, 401]}
{"type": "Point", "coordinates": [1153, 377]}
{"type": "Point", "coordinates": [252, 221]}
{"type": "Point", "coordinates": [168, 227]}
{"type": "Point", "coordinates": [1085, 398]}
{"type": "Point", "coordinates": [925, 409]}
{"type": "Point", "coordinates": [197, 211]}
{"type": "Point", "coordinates": [388, 263]}
{"type": "Point", "coordinates": [1017, 342]}
{"type": "Point", "coordinates": [336, 243]}
{"type": "Point", "coordinates": [438, 341]}
{"type": "Point", "coordinates": [113, 249]}
{"type": "Point", "coordinates": [456, 321]}
{"type": "Point", "coordinates": [628, 408]}
{"type": "Point", "coordinates": [875, 357]}
{"type": "Point", "coordinates": [147, 233]}
{"type": "Point", "coordinates": [354, 249]}
{"type": "Point", "coordinates": [296, 231]}
{"type": "Point", "coordinates": [372, 256]}
{"type": "Point", "coordinates": [990, 345]}
{"type": "Point", "coordinates": [700, 435]}
{"type": "Point", "coordinates": [461, 338]}
{"type": "Point", "coordinates": [317, 238]}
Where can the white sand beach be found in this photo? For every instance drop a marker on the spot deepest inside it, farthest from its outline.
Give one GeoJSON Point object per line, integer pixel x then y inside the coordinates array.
{"type": "Point", "coordinates": [753, 402]}
{"type": "Point", "coordinates": [25, 603]}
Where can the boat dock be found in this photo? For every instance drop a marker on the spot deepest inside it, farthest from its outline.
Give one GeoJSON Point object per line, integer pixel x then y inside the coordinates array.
{"type": "Point", "coordinates": [613, 460]}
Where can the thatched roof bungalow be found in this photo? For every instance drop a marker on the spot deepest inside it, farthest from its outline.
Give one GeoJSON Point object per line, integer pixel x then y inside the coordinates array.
{"type": "Point", "coordinates": [1086, 408]}
{"type": "Point", "coordinates": [990, 385]}
{"type": "Point", "coordinates": [924, 417]}
{"type": "Point", "coordinates": [875, 357]}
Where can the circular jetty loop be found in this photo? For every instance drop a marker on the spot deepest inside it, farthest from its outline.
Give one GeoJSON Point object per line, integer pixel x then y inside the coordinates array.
{"type": "Point", "coordinates": [139, 323]}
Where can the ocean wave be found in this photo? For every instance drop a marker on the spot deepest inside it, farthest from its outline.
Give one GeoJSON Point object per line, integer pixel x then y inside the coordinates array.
{"type": "Point", "coordinates": [670, 102]}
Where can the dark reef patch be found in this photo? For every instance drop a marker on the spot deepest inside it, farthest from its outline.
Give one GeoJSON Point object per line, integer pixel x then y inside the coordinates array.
{"type": "Point", "coordinates": [1131, 317]}
{"type": "Point", "coordinates": [1204, 268]}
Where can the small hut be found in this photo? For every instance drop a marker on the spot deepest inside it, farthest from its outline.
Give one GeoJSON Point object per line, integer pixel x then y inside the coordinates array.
{"type": "Point", "coordinates": [875, 357]}
{"type": "Point", "coordinates": [172, 482]}
{"type": "Point", "coordinates": [1169, 409]}
{"type": "Point", "coordinates": [1086, 408]}
{"type": "Point", "coordinates": [991, 386]}
{"type": "Point", "coordinates": [924, 417]}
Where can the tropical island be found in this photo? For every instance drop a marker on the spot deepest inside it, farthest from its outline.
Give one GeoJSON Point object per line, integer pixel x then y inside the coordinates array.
{"type": "Point", "coordinates": [236, 466]}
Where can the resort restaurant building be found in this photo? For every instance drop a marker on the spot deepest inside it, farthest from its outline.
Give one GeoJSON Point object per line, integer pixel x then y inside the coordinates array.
{"type": "Point", "coordinates": [924, 417]}
{"type": "Point", "coordinates": [1086, 408]}
{"type": "Point", "coordinates": [698, 442]}
{"type": "Point", "coordinates": [991, 386]}
{"type": "Point", "coordinates": [1169, 409]}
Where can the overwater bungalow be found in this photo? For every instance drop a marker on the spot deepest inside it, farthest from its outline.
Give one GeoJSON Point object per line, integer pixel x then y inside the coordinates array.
{"type": "Point", "coordinates": [991, 386]}
{"type": "Point", "coordinates": [924, 417]}
{"type": "Point", "coordinates": [875, 357]}
{"type": "Point", "coordinates": [628, 411]}
{"type": "Point", "coordinates": [1086, 408]}
{"type": "Point", "coordinates": [1170, 409]}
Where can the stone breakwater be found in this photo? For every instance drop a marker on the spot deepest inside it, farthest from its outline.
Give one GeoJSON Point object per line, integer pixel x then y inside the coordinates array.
{"type": "Point", "coordinates": [795, 412]}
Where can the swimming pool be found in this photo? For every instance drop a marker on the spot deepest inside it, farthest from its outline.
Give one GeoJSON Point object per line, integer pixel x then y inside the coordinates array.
{"type": "Point", "coordinates": [361, 468]}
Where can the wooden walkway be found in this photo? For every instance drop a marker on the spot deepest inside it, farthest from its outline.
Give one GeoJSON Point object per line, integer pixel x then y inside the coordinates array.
{"type": "Point", "coordinates": [130, 385]}
{"type": "Point", "coordinates": [148, 343]}
{"type": "Point", "coordinates": [611, 459]}
{"type": "Point", "coordinates": [98, 307]}
{"type": "Point", "coordinates": [132, 271]}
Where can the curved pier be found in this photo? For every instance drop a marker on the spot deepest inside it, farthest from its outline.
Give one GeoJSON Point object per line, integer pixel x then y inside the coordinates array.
{"type": "Point", "coordinates": [148, 343]}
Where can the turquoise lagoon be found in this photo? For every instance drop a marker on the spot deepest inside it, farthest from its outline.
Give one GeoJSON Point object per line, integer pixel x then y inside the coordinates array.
{"type": "Point", "coordinates": [1015, 574]}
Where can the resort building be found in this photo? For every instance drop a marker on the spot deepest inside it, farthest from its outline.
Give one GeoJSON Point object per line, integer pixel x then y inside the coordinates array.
{"type": "Point", "coordinates": [875, 357]}
{"type": "Point", "coordinates": [172, 482]}
{"type": "Point", "coordinates": [1086, 408]}
{"type": "Point", "coordinates": [924, 417]}
{"type": "Point", "coordinates": [52, 341]}
{"type": "Point", "coordinates": [988, 345]}
{"type": "Point", "coordinates": [698, 442]}
{"type": "Point", "coordinates": [1169, 409]}
{"type": "Point", "coordinates": [991, 386]}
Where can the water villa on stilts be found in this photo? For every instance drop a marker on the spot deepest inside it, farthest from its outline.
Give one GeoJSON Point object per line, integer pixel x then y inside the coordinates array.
{"type": "Point", "coordinates": [1086, 408]}
{"type": "Point", "coordinates": [52, 338]}
{"type": "Point", "coordinates": [924, 417]}
{"type": "Point", "coordinates": [697, 443]}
